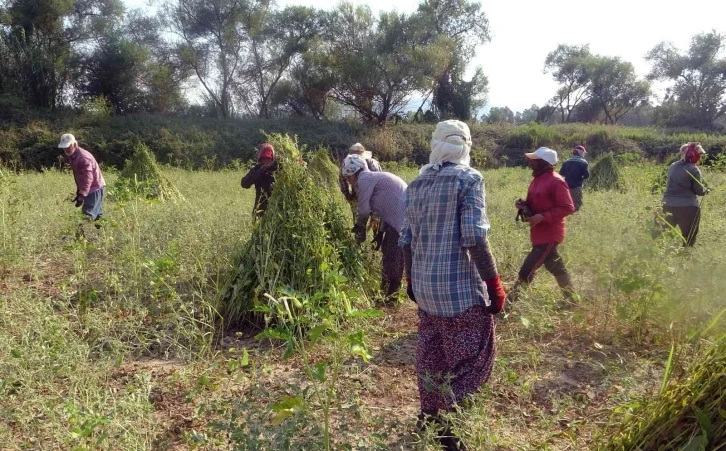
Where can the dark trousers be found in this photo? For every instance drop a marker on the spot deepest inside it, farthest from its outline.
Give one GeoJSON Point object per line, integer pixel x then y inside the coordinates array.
{"type": "Point", "coordinates": [542, 254]}
{"type": "Point", "coordinates": [576, 194]}
{"type": "Point", "coordinates": [687, 219]}
{"type": "Point", "coordinates": [392, 261]}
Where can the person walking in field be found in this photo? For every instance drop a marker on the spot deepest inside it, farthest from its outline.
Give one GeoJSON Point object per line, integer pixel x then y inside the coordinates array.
{"type": "Point", "coordinates": [90, 185]}
{"type": "Point", "coordinates": [379, 193]}
{"type": "Point", "coordinates": [262, 176]}
{"type": "Point", "coordinates": [684, 184]}
{"type": "Point", "coordinates": [452, 276]}
{"type": "Point", "coordinates": [575, 171]}
{"type": "Point", "coordinates": [549, 202]}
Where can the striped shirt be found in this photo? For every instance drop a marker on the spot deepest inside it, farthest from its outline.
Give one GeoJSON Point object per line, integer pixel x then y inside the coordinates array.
{"type": "Point", "coordinates": [381, 193]}
{"type": "Point", "coordinates": [445, 214]}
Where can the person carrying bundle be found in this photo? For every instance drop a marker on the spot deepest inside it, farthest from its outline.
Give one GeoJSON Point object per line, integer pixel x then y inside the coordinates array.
{"type": "Point", "coordinates": [548, 204]}
{"type": "Point", "coordinates": [452, 276]}
{"type": "Point", "coordinates": [379, 193]}
{"type": "Point", "coordinates": [262, 176]}
{"type": "Point", "coordinates": [575, 171]}
{"type": "Point", "coordinates": [680, 201]}
{"type": "Point", "coordinates": [90, 185]}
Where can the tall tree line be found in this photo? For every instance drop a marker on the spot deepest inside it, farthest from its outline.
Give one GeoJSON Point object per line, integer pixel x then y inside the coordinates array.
{"type": "Point", "coordinates": [596, 88]}
{"type": "Point", "coordinates": [242, 57]}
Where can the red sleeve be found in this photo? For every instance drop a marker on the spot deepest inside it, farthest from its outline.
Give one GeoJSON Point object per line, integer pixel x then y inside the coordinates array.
{"type": "Point", "coordinates": [563, 202]}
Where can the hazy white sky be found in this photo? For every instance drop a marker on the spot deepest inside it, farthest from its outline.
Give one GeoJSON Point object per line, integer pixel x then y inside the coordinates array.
{"type": "Point", "coordinates": [524, 31]}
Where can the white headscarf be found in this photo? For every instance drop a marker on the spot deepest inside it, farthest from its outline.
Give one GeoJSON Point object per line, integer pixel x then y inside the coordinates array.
{"type": "Point", "coordinates": [450, 142]}
{"type": "Point", "coordinates": [358, 149]}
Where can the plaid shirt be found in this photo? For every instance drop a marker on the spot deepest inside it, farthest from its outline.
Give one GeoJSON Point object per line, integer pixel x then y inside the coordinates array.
{"type": "Point", "coordinates": [445, 214]}
{"type": "Point", "coordinates": [381, 193]}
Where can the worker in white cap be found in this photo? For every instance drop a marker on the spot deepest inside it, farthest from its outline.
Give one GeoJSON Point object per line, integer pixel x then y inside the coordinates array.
{"type": "Point", "coordinates": [548, 203]}
{"type": "Point", "coordinates": [89, 179]}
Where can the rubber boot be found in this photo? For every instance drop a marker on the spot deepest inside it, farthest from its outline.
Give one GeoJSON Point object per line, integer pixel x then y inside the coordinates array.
{"type": "Point", "coordinates": [450, 442]}
{"type": "Point", "coordinates": [425, 419]}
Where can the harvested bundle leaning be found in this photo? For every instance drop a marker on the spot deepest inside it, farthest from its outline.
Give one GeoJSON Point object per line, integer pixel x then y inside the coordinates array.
{"type": "Point", "coordinates": [301, 247]}
{"type": "Point", "coordinates": [141, 176]}
{"type": "Point", "coordinates": [605, 174]}
{"type": "Point", "coordinates": [690, 413]}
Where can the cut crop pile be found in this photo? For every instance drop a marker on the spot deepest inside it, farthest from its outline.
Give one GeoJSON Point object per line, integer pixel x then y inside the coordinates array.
{"type": "Point", "coordinates": [141, 176]}
{"type": "Point", "coordinates": [689, 414]}
{"type": "Point", "coordinates": [605, 174]}
{"type": "Point", "coordinates": [301, 247]}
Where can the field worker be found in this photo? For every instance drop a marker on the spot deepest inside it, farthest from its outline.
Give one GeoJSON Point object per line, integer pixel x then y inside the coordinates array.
{"type": "Point", "coordinates": [452, 276]}
{"type": "Point", "coordinates": [680, 202]}
{"type": "Point", "coordinates": [262, 176]}
{"type": "Point", "coordinates": [379, 193]}
{"type": "Point", "coordinates": [348, 190]}
{"type": "Point", "coordinates": [575, 171]}
{"type": "Point", "coordinates": [549, 201]}
{"type": "Point", "coordinates": [90, 184]}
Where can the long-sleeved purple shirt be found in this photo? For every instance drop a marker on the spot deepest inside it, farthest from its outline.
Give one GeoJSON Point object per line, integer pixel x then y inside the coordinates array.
{"type": "Point", "coordinates": [86, 172]}
{"type": "Point", "coordinates": [381, 193]}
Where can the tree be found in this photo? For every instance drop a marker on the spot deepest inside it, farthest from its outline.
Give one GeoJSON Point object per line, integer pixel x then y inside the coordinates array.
{"type": "Point", "coordinates": [211, 43]}
{"type": "Point", "coordinates": [568, 66]}
{"type": "Point", "coordinates": [39, 39]}
{"type": "Point", "coordinates": [614, 87]}
{"type": "Point", "coordinates": [305, 92]}
{"type": "Point", "coordinates": [697, 95]}
{"type": "Point", "coordinates": [466, 25]}
{"type": "Point", "coordinates": [497, 114]}
{"type": "Point", "coordinates": [531, 114]}
{"type": "Point", "coordinates": [277, 38]}
{"type": "Point", "coordinates": [377, 63]}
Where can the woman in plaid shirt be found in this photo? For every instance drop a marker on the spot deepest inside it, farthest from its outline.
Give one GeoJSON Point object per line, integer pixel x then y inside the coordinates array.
{"type": "Point", "coordinates": [451, 275]}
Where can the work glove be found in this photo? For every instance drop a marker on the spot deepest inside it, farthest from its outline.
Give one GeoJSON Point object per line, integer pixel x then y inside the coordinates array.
{"type": "Point", "coordinates": [378, 240]}
{"type": "Point", "coordinates": [360, 234]}
{"type": "Point", "coordinates": [409, 291]}
{"type": "Point", "coordinates": [497, 295]}
{"type": "Point", "coordinates": [79, 200]}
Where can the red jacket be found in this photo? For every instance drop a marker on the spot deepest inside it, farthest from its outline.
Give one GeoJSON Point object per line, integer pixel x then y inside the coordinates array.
{"type": "Point", "coordinates": [549, 196]}
{"type": "Point", "coordinates": [86, 172]}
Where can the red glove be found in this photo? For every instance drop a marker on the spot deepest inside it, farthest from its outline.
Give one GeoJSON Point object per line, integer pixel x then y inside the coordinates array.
{"type": "Point", "coordinates": [497, 295]}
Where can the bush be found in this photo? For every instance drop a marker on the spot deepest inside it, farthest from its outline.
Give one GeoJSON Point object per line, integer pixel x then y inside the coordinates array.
{"type": "Point", "coordinates": [198, 142]}
{"type": "Point", "coordinates": [688, 413]}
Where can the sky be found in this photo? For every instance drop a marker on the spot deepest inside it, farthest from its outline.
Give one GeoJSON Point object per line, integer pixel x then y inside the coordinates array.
{"type": "Point", "coordinates": [524, 31]}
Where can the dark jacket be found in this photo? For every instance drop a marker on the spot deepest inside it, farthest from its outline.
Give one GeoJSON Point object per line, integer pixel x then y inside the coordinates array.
{"type": "Point", "coordinates": [575, 171]}
{"type": "Point", "coordinates": [683, 185]}
{"type": "Point", "coordinates": [263, 179]}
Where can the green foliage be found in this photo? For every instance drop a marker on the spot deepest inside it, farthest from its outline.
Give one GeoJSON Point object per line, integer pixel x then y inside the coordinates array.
{"type": "Point", "coordinates": [301, 249]}
{"type": "Point", "coordinates": [687, 414]}
{"type": "Point", "coordinates": [605, 174]}
{"type": "Point", "coordinates": [697, 97]}
{"type": "Point", "coordinates": [142, 177]}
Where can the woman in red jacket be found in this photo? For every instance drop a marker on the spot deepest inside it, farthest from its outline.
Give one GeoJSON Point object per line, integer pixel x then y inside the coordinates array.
{"type": "Point", "coordinates": [549, 201]}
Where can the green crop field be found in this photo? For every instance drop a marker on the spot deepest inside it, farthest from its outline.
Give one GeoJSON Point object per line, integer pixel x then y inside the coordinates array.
{"type": "Point", "coordinates": [111, 340]}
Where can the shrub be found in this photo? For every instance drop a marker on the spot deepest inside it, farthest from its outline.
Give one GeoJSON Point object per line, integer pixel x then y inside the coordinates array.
{"type": "Point", "coordinates": [688, 413]}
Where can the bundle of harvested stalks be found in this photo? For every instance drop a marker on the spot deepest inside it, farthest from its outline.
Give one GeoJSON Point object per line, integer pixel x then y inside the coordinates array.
{"type": "Point", "coordinates": [302, 245]}
{"type": "Point", "coordinates": [323, 170]}
{"type": "Point", "coordinates": [689, 414]}
{"type": "Point", "coordinates": [141, 176]}
{"type": "Point", "coordinates": [605, 174]}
